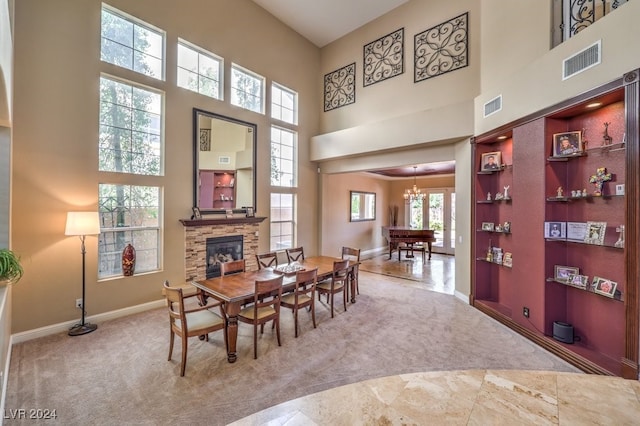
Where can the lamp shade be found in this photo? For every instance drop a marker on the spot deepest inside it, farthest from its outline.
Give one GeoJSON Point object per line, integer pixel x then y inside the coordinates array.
{"type": "Point", "coordinates": [82, 223]}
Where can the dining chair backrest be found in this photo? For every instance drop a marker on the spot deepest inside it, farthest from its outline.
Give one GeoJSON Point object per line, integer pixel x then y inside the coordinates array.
{"type": "Point", "coordinates": [266, 288]}
{"type": "Point", "coordinates": [175, 302]}
{"type": "Point", "coordinates": [267, 260]}
{"type": "Point", "coordinates": [340, 269]}
{"type": "Point", "coordinates": [295, 254]}
{"type": "Point", "coordinates": [306, 281]}
{"type": "Point", "coordinates": [233, 267]}
{"type": "Point", "coordinates": [352, 254]}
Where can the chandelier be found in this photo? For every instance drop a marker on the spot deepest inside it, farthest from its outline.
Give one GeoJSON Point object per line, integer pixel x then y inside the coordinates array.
{"type": "Point", "coordinates": [414, 194]}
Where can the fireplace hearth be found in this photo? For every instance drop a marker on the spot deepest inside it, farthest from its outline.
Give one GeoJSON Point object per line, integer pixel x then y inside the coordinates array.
{"type": "Point", "coordinates": [220, 250]}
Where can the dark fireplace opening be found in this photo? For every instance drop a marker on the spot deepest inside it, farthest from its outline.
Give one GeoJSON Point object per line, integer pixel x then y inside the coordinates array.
{"type": "Point", "coordinates": [222, 249]}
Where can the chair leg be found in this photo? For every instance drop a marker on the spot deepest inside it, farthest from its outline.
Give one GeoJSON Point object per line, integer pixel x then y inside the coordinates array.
{"type": "Point", "coordinates": [255, 340]}
{"type": "Point", "coordinates": [183, 365]}
{"type": "Point", "coordinates": [277, 321]}
{"type": "Point", "coordinates": [171, 344]}
{"type": "Point", "coordinates": [331, 304]}
{"type": "Point", "coordinates": [295, 314]}
{"type": "Point", "coordinates": [344, 297]}
{"type": "Point", "coordinates": [313, 312]}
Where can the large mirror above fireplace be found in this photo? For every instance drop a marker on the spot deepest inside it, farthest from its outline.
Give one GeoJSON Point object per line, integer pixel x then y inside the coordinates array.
{"type": "Point", "coordinates": [224, 163]}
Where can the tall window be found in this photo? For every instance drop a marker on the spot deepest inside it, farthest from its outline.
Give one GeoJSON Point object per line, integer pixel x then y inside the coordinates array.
{"type": "Point", "coordinates": [283, 157]}
{"type": "Point", "coordinates": [128, 215]}
{"type": "Point", "coordinates": [130, 128]}
{"type": "Point", "coordinates": [247, 89]}
{"type": "Point", "coordinates": [199, 70]}
{"type": "Point", "coordinates": [132, 44]}
{"type": "Point", "coordinates": [284, 104]}
{"type": "Point", "coordinates": [282, 214]}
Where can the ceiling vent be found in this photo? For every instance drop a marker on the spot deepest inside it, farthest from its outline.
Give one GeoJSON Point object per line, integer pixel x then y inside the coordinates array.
{"type": "Point", "coordinates": [493, 106]}
{"type": "Point", "coordinates": [583, 60]}
{"type": "Point", "coordinates": [224, 160]}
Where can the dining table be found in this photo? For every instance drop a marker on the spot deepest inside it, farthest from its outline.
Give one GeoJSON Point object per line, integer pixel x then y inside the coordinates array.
{"type": "Point", "coordinates": [237, 289]}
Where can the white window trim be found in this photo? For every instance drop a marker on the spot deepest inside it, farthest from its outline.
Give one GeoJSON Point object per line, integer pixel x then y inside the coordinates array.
{"type": "Point", "coordinates": [244, 70]}
{"type": "Point", "coordinates": [205, 53]}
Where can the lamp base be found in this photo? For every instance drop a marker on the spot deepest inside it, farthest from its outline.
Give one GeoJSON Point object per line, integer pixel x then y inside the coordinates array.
{"type": "Point", "coordinates": [80, 329]}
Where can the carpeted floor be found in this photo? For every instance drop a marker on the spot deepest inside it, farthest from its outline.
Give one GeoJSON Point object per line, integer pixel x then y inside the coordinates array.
{"type": "Point", "coordinates": [120, 375]}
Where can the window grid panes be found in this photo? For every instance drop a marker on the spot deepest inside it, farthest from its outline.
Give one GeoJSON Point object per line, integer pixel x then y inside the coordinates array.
{"type": "Point", "coordinates": [131, 44]}
{"type": "Point", "coordinates": [284, 104]}
{"type": "Point", "coordinates": [282, 217]}
{"type": "Point", "coordinates": [283, 157]}
{"type": "Point", "coordinates": [130, 128]}
{"type": "Point", "coordinates": [247, 89]}
{"type": "Point", "coordinates": [128, 215]}
{"type": "Point", "coordinates": [199, 71]}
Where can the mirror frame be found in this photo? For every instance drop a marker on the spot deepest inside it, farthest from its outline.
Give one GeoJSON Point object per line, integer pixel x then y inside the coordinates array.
{"type": "Point", "coordinates": [196, 154]}
{"type": "Point", "coordinates": [360, 207]}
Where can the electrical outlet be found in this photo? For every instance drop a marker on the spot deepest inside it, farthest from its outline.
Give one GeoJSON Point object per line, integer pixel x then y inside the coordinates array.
{"type": "Point", "coordinates": [79, 303]}
{"type": "Point", "coordinates": [525, 312]}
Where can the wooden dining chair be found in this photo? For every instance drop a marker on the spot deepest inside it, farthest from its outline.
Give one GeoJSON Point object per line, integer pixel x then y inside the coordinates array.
{"type": "Point", "coordinates": [233, 267]}
{"type": "Point", "coordinates": [303, 295]}
{"type": "Point", "coordinates": [353, 254]}
{"type": "Point", "coordinates": [295, 254]}
{"type": "Point", "coordinates": [267, 260]}
{"type": "Point", "coordinates": [190, 322]}
{"type": "Point", "coordinates": [336, 284]}
{"type": "Point", "coordinates": [264, 308]}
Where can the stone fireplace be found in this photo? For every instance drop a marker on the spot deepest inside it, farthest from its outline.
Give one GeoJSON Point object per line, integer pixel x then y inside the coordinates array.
{"type": "Point", "coordinates": [197, 231]}
{"type": "Point", "coordinates": [221, 250]}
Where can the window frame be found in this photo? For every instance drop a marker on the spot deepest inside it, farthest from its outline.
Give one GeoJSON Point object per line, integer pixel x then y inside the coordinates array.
{"type": "Point", "coordinates": [240, 69]}
{"type": "Point", "coordinates": [293, 159]}
{"type": "Point", "coordinates": [144, 25]}
{"type": "Point", "coordinates": [201, 52]}
{"type": "Point", "coordinates": [280, 107]}
{"type": "Point", "coordinates": [292, 221]}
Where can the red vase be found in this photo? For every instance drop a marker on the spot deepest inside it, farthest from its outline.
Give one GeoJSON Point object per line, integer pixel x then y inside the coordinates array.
{"type": "Point", "coordinates": [128, 260]}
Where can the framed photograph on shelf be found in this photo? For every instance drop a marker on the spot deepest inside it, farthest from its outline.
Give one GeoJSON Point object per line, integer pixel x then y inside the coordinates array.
{"type": "Point", "coordinates": [196, 213]}
{"type": "Point", "coordinates": [595, 233]}
{"type": "Point", "coordinates": [507, 260]}
{"type": "Point", "coordinates": [568, 143]}
{"type": "Point", "coordinates": [506, 227]}
{"type": "Point", "coordinates": [491, 161]}
{"type": "Point", "coordinates": [250, 211]}
{"type": "Point", "coordinates": [487, 226]}
{"type": "Point", "coordinates": [555, 230]}
{"type": "Point", "coordinates": [577, 280]}
{"type": "Point", "coordinates": [576, 231]}
{"type": "Point", "coordinates": [604, 286]}
{"type": "Point", "coordinates": [562, 273]}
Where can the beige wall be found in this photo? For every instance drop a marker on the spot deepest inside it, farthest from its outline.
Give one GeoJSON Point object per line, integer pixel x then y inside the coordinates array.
{"type": "Point", "coordinates": [55, 134]}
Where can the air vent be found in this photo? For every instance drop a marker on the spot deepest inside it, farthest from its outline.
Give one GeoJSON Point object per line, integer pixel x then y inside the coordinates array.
{"type": "Point", "coordinates": [581, 61]}
{"type": "Point", "coordinates": [493, 106]}
{"type": "Point", "coordinates": [224, 160]}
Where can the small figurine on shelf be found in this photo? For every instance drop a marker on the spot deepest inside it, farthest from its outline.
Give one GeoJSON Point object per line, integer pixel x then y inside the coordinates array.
{"type": "Point", "coordinates": [499, 196]}
{"type": "Point", "coordinates": [573, 193]}
{"type": "Point", "coordinates": [584, 192]}
{"type": "Point", "coordinates": [488, 196]}
{"type": "Point", "coordinates": [620, 242]}
{"type": "Point", "coordinates": [506, 192]}
{"type": "Point", "coordinates": [606, 139]}
{"type": "Point", "coordinates": [559, 192]}
{"type": "Point", "coordinates": [490, 254]}
{"type": "Point", "coordinates": [599, 179]}
{"type": "Point", "coordinates": [584, 139]}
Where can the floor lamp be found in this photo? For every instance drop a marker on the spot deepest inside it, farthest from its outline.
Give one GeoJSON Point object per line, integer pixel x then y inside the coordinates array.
{"type": "Point", "coordinates": [82, 224]}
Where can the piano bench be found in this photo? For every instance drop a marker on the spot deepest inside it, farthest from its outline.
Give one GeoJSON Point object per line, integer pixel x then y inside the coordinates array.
{"type": "Point", "coordinates": [410, 249]}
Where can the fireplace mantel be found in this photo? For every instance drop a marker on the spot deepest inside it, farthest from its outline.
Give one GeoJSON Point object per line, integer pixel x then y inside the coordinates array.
{"type": "Point", "coordinates": [221, 221]}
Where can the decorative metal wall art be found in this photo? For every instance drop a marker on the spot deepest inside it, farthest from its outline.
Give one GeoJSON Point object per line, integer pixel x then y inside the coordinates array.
{"type": "Point", "coordinates": [383, 58]}
{"type": "Point", "coordinates": [442, 49]}
{"type": "Point", "coordinates": [340, 87]}
{"type": "Point", "coordinates": [579, 14]}
{"type": "Point", "coordinates": [205, 139]}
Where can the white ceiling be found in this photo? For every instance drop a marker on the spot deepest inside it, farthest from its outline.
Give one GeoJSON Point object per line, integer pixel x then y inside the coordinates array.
{"type": "Point", "coordinates": [323, 21]}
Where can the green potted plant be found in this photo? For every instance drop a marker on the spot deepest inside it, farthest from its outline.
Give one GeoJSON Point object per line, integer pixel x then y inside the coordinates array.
{"type": "Point", "coordinates": [10, 268]}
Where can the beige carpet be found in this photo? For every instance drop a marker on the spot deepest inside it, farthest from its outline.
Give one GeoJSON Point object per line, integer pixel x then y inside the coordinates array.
{"type": "Point", "coordinates": [119, 374]}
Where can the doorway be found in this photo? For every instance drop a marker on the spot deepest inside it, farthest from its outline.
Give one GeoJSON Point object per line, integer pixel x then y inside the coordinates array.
{"type": "Point", "coordinates": [438, 212]}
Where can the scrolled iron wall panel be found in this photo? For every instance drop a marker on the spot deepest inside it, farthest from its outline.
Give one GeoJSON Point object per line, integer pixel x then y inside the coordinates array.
{"type": "Point", "coordinates": [383, 58]}
{"type": "Point", "coordinates": [340, 87]}
{"type": "Point", "coordinates": [441, 49]}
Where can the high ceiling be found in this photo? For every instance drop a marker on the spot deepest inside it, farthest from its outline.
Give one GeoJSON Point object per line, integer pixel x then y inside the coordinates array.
{"type": "Point", "coordinates": [324, 21]}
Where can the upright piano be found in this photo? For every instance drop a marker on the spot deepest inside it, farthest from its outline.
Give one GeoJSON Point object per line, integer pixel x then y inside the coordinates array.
{"type": "Point", "coordinates": [404, 238]}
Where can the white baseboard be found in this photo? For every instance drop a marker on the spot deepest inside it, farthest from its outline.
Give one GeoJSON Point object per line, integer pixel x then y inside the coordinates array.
{"type": "Point", "coordinates": [461, 296]}
{"type": "Point", "coordinates": [365, 254]}
{"type": "Point", "coordinates": [64, 326]}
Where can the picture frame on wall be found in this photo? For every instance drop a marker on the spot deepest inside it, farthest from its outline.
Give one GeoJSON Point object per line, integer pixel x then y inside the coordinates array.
{"type": "Point", "coordinates": [577, 280]}
{"type": "Point", "coordinates": [488, 226]}
{"type": "Point", "coordinates": [250, 211]}
{"type": "Point", "coordinates": [555, 230]}
{"type": "Point", "coordinates": [491, 161]}
{"type": "Point", "coordinates": [567, 144]}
